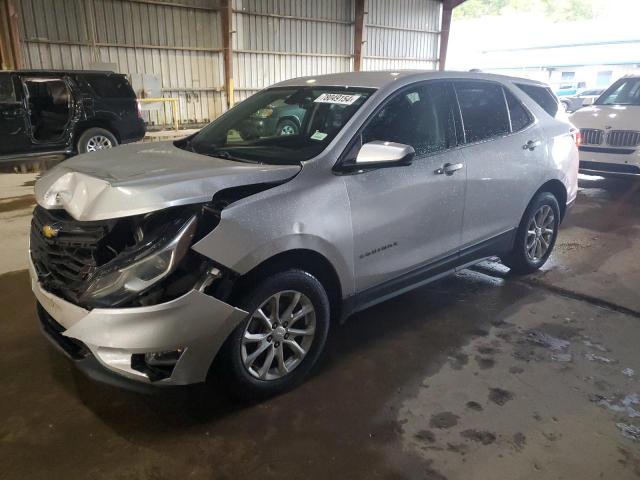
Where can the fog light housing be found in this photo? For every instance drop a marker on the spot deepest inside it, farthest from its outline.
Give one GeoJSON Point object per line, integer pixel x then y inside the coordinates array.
{"type": "Point", "coordinates": [156, 365]}
{"type": "Point", "coordinates": [163, 359]}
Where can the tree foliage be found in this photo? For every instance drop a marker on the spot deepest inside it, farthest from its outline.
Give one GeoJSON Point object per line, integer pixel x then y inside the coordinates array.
{"type": "Point", "coordinates": [555, 10]}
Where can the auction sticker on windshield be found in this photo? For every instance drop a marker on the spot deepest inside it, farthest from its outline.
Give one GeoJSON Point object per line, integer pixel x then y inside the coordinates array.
{"type": "Point", "coordinates": [337, 98]}
{"type": "Point", "coordinates": [319, 135]}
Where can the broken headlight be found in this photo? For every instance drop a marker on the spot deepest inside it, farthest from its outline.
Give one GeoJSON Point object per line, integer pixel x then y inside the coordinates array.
{"type": "Point", "coordinates": [160, 247]}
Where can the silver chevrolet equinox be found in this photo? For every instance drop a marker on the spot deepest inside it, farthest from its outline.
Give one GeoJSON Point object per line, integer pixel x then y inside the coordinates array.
{"type": "Point", "coordinates": [231, 252]}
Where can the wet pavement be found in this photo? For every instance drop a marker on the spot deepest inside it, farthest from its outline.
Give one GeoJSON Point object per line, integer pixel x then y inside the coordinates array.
{"type": "Point", "coordinates": [482, 375]}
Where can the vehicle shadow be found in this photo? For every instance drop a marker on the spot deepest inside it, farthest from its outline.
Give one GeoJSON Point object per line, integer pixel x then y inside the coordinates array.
{"type": "Point", "coordinates": [31, 164]}
{"type": "Point", "coordinates": [606, 205]}
{"type": "Point", "coordinates": [625, 189]}
{"type": "Point", "coordinates": [393, 345]}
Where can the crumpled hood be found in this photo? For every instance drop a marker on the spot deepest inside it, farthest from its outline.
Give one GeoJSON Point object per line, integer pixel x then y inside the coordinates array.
{"type": "Point", "coordinates": [615, 117]}
{"type": "Point", "coordinates": [141, 178]}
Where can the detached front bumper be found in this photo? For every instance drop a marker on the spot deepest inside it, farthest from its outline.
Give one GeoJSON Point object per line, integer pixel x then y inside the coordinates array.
{"type": "Point", "coordinates": [110, 339]}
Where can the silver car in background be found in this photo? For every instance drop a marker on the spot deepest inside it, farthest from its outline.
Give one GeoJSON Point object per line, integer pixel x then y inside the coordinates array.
{"type": "Point", "coordinates": [160, 264]}
{"type": "Point", "coordinates": [583, 99]}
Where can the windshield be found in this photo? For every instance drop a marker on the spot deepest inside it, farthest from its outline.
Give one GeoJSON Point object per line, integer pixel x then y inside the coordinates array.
{"type": "Point", "coordinates": [623, 92]}
{"type": "Point", "coordinates": [280, 125]}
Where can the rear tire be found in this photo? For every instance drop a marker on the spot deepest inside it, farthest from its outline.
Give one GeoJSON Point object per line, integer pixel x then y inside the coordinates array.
{"type": "Point", "coordinates": [94, 139]}
{"type": "Point", "coordinates": [536, 236]}
{"type": "Point", "coordinates": [252, 358]}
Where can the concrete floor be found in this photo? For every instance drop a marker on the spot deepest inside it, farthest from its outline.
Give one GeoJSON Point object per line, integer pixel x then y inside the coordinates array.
{"type": "Point", "coordinates": [478, 376]}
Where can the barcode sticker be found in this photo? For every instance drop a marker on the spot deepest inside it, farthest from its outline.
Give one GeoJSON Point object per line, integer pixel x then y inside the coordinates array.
{"type": "Point", "coordinates": [337, 98]}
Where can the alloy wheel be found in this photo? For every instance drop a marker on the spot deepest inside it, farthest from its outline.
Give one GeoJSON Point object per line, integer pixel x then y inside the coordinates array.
{"type": "Point", "coordinates": [98, 142]}
{"type": "Point", "coordinates": [540, 233]}
{"type": "Point", "coordinates": [278, 335]}
{"type": "Point", "coordinates": [287, 130]}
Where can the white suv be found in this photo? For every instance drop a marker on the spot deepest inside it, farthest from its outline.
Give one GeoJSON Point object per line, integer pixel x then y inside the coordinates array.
{"type": "Point", "coordinates": [610, 130]}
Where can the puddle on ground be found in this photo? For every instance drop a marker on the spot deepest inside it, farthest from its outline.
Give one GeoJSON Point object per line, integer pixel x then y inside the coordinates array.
{"type": "Point", "coordinates": [484, 437]}
{"type": "Point", "coordinates": [545, 340]}
{"type": "Point", "coordinates": [561, 357]}
{"type": "Point", "coordinates": [443, 420]}
{"type": "Point", "coordinates": [619, 404]}
{"type": "Point", "coordinates": [592, 357]}
{"type": "Point", "coordinates": [629, 431]}
{"type": "Point", "coordinates": [499, 396]}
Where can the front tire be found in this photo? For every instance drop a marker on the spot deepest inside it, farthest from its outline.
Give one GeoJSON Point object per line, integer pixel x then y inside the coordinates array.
{"type": "Point", "coordinates": [94, 139]}
{"type": "Point", "coordinates": [275, 348]}
{"type": "Point", "coordinates": [536, 235]}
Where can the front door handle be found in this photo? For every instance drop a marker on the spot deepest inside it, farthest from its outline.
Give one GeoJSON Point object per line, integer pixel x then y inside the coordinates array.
{"type": "Point", "coordinates": [449, 168]}
{"type": "Point", "coordinates": [531, 145]}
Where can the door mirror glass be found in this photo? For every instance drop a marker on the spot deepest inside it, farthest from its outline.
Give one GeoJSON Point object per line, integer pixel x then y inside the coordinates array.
{"type": "Point", "coordinates": [384, 154]}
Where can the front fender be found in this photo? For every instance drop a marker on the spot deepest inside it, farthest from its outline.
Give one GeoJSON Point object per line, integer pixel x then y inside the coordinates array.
{"type": "Point", "coordinates": [301, 214]}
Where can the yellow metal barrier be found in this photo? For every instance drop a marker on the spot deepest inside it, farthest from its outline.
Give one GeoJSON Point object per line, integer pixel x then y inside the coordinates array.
{"type": "Point", "coordinates": [174, 106]}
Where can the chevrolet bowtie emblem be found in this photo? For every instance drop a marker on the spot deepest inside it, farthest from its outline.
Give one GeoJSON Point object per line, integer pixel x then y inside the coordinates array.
{"type": "Point", "coordinates": [50, 231]}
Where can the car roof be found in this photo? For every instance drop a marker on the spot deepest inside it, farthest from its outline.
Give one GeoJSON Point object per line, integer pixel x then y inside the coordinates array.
{"type": "Point", "coordinates": [383, 78]}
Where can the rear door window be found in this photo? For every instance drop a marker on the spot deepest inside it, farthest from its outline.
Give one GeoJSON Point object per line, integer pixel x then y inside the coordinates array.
{"type": "Point", "coordinates": [484, 110]}
{"type": "Point", "coordinates": [109, 86]}
{"type": "Point", "coordinates": [543, 96]}
{"type": "Point", "coordinates": [520, 116]}
{"type": "Point", "coordinates": [7, 94]}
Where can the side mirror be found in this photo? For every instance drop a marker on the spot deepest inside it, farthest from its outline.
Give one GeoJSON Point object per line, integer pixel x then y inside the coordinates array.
{"type": "Point", "coordinates": [380, 154]}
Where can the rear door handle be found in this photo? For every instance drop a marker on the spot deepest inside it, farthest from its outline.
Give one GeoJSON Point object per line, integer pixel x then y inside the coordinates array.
{"type": "Point", "coordinates": [531, 145]}
{"type": "Point", "coordinates": [449, 168]}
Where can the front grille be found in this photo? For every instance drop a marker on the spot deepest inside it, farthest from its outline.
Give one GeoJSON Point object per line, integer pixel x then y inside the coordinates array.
{"type": "Point", "coordinates": [623, 138]}
{"type": "Point", "coordinates": [64, 262]}
{"type": "Point", "coordinates": [591, 136]}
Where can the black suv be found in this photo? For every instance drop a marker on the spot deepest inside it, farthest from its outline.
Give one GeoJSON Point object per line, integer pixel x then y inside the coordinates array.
{"type": "Point", "coordinates": [66, 112]}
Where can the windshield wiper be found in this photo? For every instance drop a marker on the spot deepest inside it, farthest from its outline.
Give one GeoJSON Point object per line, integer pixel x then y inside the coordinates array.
{"type": "Point", "coordinates": [224, 154]}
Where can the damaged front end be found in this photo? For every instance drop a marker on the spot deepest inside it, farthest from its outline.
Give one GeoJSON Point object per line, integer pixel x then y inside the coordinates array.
{"type": "Point", "coordinates": [112, 263]}
{"type": "Point", "coordinates": [132, 261]}
{"type": "Point", "coordinates": [130, 294]}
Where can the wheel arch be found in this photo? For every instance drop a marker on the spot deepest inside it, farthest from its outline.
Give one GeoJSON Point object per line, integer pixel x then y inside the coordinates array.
{"type": "Point", "coordinates": [291, 118]}
{"type": "Point", "coordinates": [85, 125]}
{"type": "Point", "coordinates": [300, 258]}
{"type": "Point", "coordinates": [558, 190]}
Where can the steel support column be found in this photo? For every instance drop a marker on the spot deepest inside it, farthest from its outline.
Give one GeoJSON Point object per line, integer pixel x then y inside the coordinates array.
{"type": "Point", "coordinates": [226, 18]}
{"type": "Point", "coordinates": [358, 34]}
{"type": "Point", "coordinates": [10, 53]}
{"type": "Point", "coordinates": [447, 13]}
